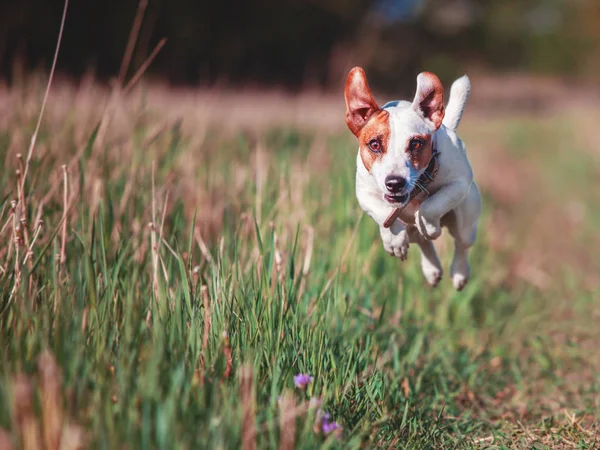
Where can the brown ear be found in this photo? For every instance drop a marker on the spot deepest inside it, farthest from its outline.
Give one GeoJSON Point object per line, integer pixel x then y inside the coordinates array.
{"type": "Point", "coordinates": [360, 104]}
{"type": "Point", "coordinates": [429, 99]}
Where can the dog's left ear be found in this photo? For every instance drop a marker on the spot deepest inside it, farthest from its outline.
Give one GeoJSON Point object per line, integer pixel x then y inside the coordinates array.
{"type": "Point", "coordinates": [429, 99]}
{"type": "Point", "coordinates": [360, 104]}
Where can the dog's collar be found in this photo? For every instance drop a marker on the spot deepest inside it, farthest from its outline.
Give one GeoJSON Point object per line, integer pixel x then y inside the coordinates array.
{"type": "Point", "coordinates": [421, 185]}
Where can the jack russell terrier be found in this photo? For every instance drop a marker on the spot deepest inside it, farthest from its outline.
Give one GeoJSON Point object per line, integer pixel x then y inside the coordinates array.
{"type": "Point", "coordinates": [413, 175]}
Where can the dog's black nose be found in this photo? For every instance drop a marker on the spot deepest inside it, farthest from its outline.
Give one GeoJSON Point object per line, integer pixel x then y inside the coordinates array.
{"type": "Point", "coordinates": [394, 183]}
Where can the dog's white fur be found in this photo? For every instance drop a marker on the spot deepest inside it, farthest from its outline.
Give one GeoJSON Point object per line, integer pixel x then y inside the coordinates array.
{"type": "Point", "coordinates": [454, 201]}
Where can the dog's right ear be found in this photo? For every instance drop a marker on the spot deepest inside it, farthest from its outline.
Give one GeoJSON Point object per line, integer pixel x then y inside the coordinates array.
{"type": "Point", "coordinates": [360, 104]}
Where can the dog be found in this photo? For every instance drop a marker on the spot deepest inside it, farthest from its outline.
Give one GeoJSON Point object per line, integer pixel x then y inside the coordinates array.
{"type": "Point", "coordinates": [413, 176]}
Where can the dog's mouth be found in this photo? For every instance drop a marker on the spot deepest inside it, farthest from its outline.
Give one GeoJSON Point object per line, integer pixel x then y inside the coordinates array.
{"type": "Point", "coordinates": [399, 198]}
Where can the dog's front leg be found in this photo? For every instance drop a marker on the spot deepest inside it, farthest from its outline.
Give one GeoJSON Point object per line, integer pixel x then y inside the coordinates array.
{"type": "Point", "coordinates": [435, 207]}
{"type": "Point", "coordinates": [395, 238]}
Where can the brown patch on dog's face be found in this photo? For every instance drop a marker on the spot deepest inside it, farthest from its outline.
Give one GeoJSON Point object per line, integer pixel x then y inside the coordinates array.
{"type": "Point", "coordinates": [420, 156]}
{"type": "Point", "coordinates": [376, 129]}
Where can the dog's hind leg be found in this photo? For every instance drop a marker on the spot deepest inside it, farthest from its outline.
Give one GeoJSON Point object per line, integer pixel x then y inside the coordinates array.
{"type": "Point", "coordinates": [460, 269]}
{"type": "Point", "coordinates": [430, 263]}
{"type": "Point", "coordinates": [462, 225]}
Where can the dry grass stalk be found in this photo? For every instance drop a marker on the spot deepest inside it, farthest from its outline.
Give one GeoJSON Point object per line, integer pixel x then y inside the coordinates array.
{"type": "Point", "coordinates": [278, 259]}
{"type": "Point", "coordinates": [127, 190]}
{"type": "Point", "coordinates": [3, 210]}
{"type": "Point", "coordinates": [287, 421]}
{"type": "Point", "coordinates": [22, 216]}
{"type": "Point", "coordinates": [260, 179]}
{"type": "Point", "coordinates": [279, 273]}
{"type": "Point", "coordinates": [36, 234]}
{"type": "Point", "coordinates": [18, 242]}
{"type": "Point", "coordinates": [247, 397]}
{"type": "Point", "coordinates": [72, 438]}
{"type": "Point", "coordinates": [160, 238]}
{"type": "Point", "coordinates": [52, 411]}
{"type": "Point", "coordinates": [206, 334]}
{"type": "Point", "coordinates": [222, 248]}
{"type": "Point", "coordinates": [138, 74]}
{"type": "Point", "coordinates": [153, 239]}
{"type": "Point", "coordinates": [118, 85]}
{"type": "Point", "coordinates": [63, 245]}
{"type": "Point", "coordinates": [26, 423]}
{"type": "Point", "coordinates": [5, 440]}
{"type": "Point", "coordinates": [133, 36]}
{"type": "Point", "coordinates": [310, 232]}
{"type": "Point", "coordinates": [11, 221]}
{"type": "Point", "coordinates": [50, 78]}
{"type": "Point", "coordinates": [202, 246]}
{"type": "Point", "coordinates": [7, 223]}
{"type": "Point", "coordinates": [310, 238]}
{"type": "Point", "coordinates": [84, 319]}
{"type": "Point", "coordinates": [228, 356]}
{"type": "Point", "coordinates": [207, 318]}
{"type": "Point", "coordinates": [21, 198]}
{"type": "Point", "coordinates": [153, 248]}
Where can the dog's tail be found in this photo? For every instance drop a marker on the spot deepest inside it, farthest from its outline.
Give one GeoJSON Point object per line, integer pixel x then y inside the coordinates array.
{"type": "Point", "coordinates": [459, 94]}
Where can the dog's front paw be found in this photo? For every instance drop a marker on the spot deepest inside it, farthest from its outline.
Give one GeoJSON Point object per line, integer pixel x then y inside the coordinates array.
{"type": "Point", "coordinates": [429, 228]}
{"type": "Point", "coordinates": [395, 242]}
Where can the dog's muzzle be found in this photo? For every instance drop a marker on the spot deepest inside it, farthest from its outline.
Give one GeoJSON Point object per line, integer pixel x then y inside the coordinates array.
{"type": "Point", "coordinates": [395, 185]}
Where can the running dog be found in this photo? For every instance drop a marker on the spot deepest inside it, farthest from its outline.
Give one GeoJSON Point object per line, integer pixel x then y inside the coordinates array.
{"type": "Point", "coordinates": [413, 175]}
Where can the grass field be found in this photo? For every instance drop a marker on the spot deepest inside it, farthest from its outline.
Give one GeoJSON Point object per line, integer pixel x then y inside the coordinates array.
{"type": "Point", "coordinates": [201, 268]}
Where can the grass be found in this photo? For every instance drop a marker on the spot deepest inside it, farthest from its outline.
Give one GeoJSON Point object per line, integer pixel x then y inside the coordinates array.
{"type": "Point", "coordinates": [204, 268]}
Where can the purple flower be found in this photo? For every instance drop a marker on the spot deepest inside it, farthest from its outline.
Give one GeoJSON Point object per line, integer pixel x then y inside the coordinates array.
{"type": "Point", "coordinates": [328, 426]}
{"type": "Point", "coordinates": [302, 380]}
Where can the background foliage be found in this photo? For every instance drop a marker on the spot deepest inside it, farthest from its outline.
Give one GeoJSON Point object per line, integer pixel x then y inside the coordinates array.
{"type": "Point", "coordinates": [293, 43]}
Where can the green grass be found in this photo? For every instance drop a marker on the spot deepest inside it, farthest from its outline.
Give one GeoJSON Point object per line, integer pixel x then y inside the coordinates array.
{"type": "Point", "coordinates": [396, 363]}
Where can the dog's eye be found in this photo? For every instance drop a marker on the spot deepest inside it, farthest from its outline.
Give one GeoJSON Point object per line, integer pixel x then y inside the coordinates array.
{"type": "Point", "coordinates": [375, 145]}
{"type": "Point", "coordinates": [415, 144]}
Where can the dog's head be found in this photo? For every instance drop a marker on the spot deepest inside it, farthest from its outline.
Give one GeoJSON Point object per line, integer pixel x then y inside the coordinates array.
{"type": "Point", "coordinates": [396, 141]}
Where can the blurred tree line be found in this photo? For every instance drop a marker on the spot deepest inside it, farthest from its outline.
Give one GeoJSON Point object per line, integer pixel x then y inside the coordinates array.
{"type": "Point", "coordinates": [295, 43]}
